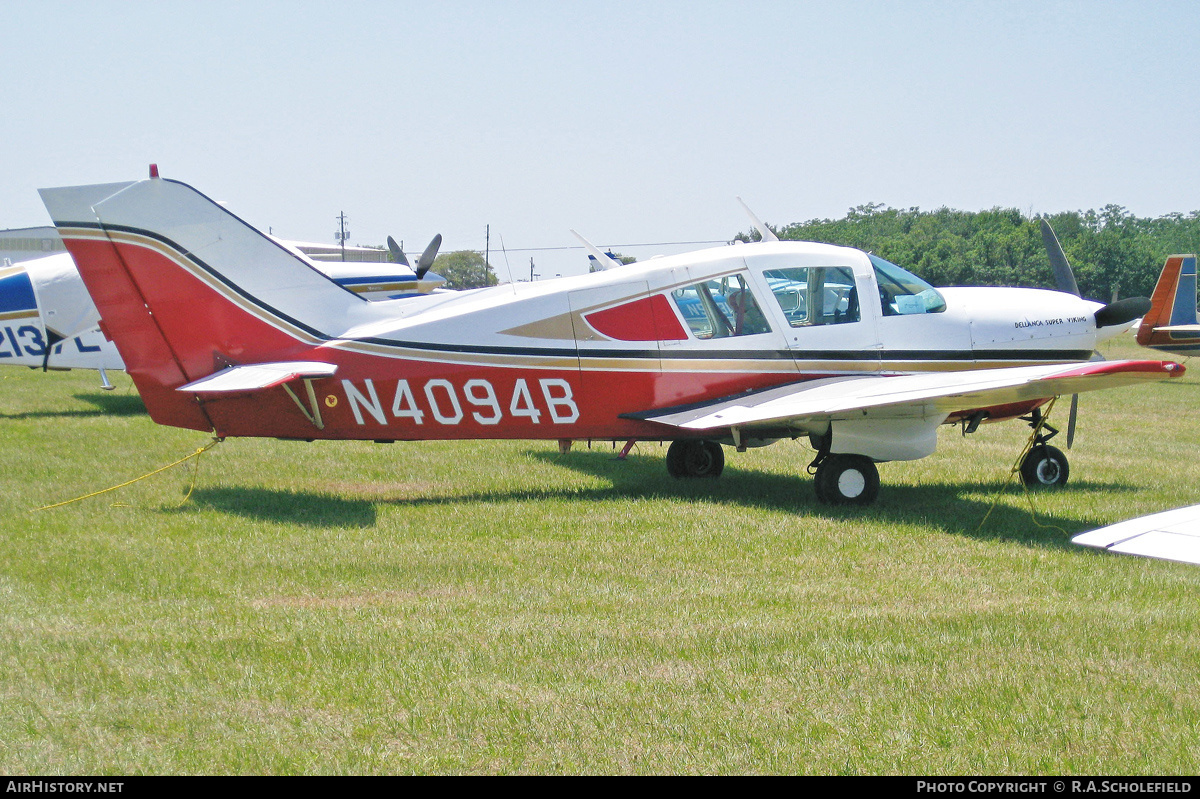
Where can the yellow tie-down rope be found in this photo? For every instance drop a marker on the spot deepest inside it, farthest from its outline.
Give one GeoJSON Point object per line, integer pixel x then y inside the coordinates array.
{"type": "Point", "coordinates": [1016, 469]}
{"type": "Point", "coordinates": [199, 451]}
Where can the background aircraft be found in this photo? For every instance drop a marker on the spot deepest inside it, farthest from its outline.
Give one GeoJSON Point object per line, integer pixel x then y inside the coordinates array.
{"type": "Point", "coordinates": [48, 320]}
{"type": "Point", "coordinates": [1172, 325]}
{"type": "Point", "coordinates": [225, 330]}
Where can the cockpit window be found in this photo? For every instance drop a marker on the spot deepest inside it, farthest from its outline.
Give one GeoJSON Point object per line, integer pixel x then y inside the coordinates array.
{"type": "Point", "coordinates": [902, 292]}
{"type": "Point", "coordinates": [720, 308]}
{"type": "Point", "coordinates": [815, 295]}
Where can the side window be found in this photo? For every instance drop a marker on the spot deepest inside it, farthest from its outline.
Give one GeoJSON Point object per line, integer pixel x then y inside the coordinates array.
{"type": "Point", "coordinates": [901, 292]}
{"type": "Point", "coordinates": [815, 295]}
{"type": "Point", "coordinates": [720, 308]}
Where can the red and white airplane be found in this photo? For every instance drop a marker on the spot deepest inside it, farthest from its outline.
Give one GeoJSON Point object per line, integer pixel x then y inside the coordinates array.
{"type": "Point", "coordinates": [224, 330]}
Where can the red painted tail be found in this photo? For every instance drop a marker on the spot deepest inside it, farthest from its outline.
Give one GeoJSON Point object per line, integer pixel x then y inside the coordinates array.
{"type": "Point", "coordinates": [185, 288]}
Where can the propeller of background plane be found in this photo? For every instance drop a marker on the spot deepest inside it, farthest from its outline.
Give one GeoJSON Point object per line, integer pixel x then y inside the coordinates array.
{"type": "Point", "coordinates": [424, 262]}
{"type": "Point", "coordinates": [1115, 313]}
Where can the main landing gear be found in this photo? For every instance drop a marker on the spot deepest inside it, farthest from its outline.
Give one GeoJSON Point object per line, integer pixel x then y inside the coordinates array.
{"type": "Point", "coordinates": [846, 480]}
{"type": "Point", "coordinates": [695, 459]}
{"type": "Point", "coordinates": [1044, 466]}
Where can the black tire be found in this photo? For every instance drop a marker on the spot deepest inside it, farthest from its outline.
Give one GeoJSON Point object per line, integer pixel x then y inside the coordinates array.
{"type": "Point", "coordinates": [1045, 467]}
{"type": "Point", "coordinates": [690, 459]}
{"type": "Point", "coordinates": [847, 480]}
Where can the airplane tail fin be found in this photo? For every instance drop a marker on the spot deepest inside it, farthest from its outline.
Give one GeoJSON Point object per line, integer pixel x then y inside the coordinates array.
{"type": "Point", "coordinates": [1171, 324]}
{"type": "Point", "coordinates": [184, 288]}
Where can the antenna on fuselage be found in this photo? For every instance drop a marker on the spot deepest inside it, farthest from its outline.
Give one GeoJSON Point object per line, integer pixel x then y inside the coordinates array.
{"type": "Point", "coordinates": [605, 261]}
{"type": "Point", "coordinates": [764, 232]}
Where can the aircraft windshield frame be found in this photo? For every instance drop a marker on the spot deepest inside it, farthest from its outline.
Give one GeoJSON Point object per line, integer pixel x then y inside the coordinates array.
{"type": "Point", "coordinates": [901, 292]}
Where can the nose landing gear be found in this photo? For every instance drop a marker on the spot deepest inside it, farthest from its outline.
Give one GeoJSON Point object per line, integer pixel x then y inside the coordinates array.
{"type": "Point", "coordinates": [1043, 466]}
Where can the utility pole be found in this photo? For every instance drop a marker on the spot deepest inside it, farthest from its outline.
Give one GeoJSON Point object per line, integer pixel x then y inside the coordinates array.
{"type": "Point", "coordinates": [341, 234]}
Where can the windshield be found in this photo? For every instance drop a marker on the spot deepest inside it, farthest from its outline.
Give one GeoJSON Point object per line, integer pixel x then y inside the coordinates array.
{"type": "Point", "coordinates": [902, 292]}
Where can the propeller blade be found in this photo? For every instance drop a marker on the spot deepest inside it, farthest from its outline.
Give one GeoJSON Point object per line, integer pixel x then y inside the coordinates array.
{"type": "Point", "coordinates": [1071, 420]}
{"type": "Point", "coordinates": [1064, 278]}
{"type": "Point", "coordinates": [1122, 311]}
{"type": "Point", "coordinates": [427, 257]}
{"type": "Point", "coordinates": [397, 252]}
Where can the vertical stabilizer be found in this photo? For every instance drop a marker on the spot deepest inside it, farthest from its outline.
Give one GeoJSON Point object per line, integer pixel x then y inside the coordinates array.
{"type": "Point", "coordinates": [185, 288]}
{"type": "Point", "coordinates": [1171, 324]}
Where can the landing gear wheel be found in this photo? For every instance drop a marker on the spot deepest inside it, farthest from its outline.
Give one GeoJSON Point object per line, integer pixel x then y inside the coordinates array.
{"type": "Point", "coordinates": [1044, 467]}
{"type": "Point", "coordinates": [695, 459]}
{"type": "Point", "coordinates": [847, 480]}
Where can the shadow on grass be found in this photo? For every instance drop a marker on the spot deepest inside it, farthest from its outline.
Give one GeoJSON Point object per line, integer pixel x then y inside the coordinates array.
{"type": "Point", "coordinates": [947, 508]}
{"type": "Point", "coordinates": [105, 404]}
{"type": "Point", "coordinates": [113, 404]}
{"type": "Point", "coordinates": [297, 507]}
{"type": "Point", "coordinates": [944, 507]}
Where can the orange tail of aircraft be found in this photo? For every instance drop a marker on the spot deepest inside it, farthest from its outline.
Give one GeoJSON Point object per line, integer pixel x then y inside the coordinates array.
{"type": "Point", "coordinates": [1171, 324]}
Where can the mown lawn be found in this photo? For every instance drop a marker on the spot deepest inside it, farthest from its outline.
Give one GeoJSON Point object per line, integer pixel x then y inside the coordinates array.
{"type": "Point", "coordinates": [483, 607]}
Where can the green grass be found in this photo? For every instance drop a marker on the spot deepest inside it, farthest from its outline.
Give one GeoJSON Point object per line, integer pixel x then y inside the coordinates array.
{"type": "Point", "coordinates": [487, 607]}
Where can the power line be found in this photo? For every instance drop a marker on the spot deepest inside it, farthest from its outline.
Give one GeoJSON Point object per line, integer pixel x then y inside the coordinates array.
{"type": "Point", "coordinates": [622, 246]}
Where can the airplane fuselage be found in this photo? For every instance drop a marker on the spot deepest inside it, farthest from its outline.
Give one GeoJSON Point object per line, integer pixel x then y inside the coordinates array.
{"type": "Point", "coordinates": [572, 358]}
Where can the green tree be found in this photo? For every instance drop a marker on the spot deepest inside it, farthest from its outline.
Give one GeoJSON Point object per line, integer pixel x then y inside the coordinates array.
{"type": "Point", "coordinates": [465, 269]}
{"type": "Point", "coordinates": [1113, 253]}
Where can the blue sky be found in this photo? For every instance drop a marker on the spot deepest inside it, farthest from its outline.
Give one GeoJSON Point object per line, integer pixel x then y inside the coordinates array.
{"type": "Point", "coordinates": [630, 122]}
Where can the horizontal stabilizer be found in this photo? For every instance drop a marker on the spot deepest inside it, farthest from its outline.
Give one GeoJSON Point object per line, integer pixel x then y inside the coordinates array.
{"type": "Point", "coordinates": [254, 377]}
{"type": "Point", "coordinates": [927, 394]}
{"type": "Point", "coordinates": [1171, 535]}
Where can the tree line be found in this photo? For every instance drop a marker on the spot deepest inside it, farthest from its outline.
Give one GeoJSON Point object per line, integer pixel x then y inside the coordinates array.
{"type": "Point", "coordinates": [1113, 253]}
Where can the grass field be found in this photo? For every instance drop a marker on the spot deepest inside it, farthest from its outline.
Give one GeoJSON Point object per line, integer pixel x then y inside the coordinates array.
{"type": "Point", "coordinates": [343, 607]}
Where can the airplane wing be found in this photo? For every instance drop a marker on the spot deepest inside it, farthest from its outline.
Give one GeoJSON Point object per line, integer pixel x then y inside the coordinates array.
{"type": "Point", "coordinates": [1171, 535]}
{"type": "Point", "coordinates": [252, 377]}
{"type": "Point", "coordinates": [906, 396]}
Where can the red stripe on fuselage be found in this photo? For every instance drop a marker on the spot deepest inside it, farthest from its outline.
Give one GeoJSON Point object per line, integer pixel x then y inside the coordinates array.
{"type": "Point", "coordinates": [375, 397]}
